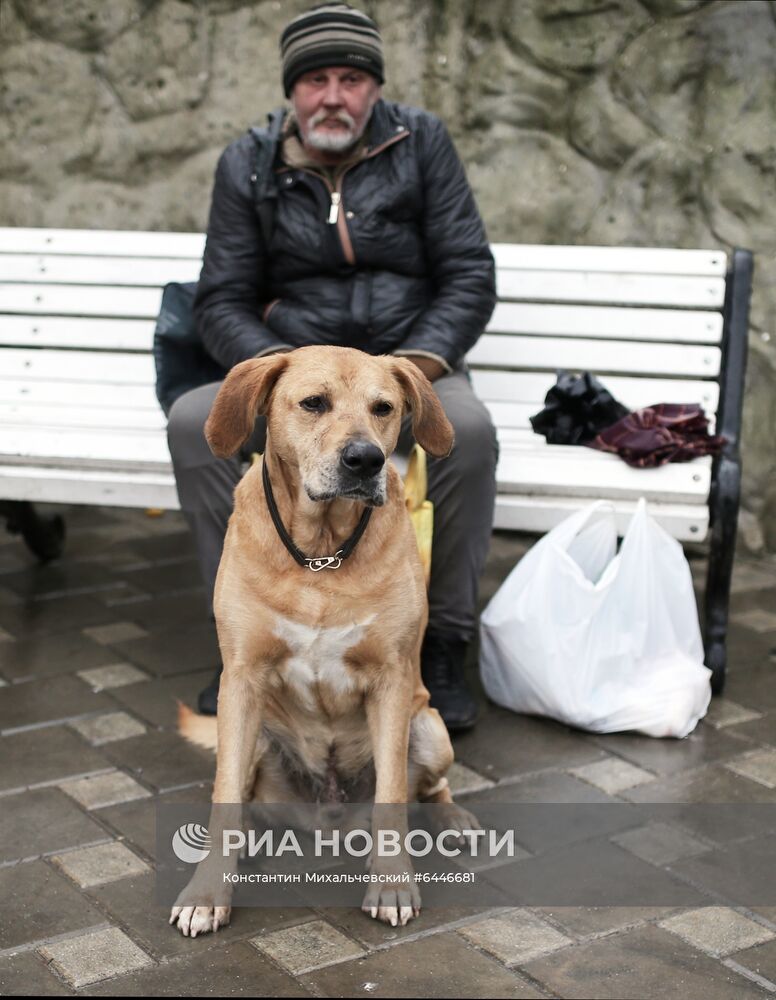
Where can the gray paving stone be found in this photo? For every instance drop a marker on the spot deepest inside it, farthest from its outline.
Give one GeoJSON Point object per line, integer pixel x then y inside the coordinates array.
{"type": "Point", "coordinates": [48, 655]}
{"type": "Point", "coordinates": [660, 843]}
{"type": "Point", "coordinates": [375, 934]}
{"type": "Point", "coordinates": [39, 903]}
{"type": "Point", "coordinates": [104, 790]}
{"type": "Point", "coordinates": [707, 784]}
{"type": "Point", "coordinates": [753, 684]}
{"type": "Point", "coordinates": [761, 959]}
{"type": "Point", "coordinates": [38, 756]}
{"type": "Point", "coordinates": [43, 821]}
{"type": "Point", "coordinates": [740, 873]}
{"type": "Point", "coordinates": [132, 903]}
{"type": "Point", "coordinates": [136, 820]}
{"type": "Point", "coordinates": [156, 701]}
{"type": "Point", "coordinates": [759, 765]}
{"type": "Point", "coordinates": [163, 760]}
{"type": "Point", "coordinates": [160, 577]}
{"type": "Point", "coordinates": [515, 937]}
{"type": "Point", "coordinates": [230, 970]}
{"type": "Point", "coordinates": [666, 757]}
{"type": "Point", "coordinates": [61, 578]}
{"type": "Point", "coordinates": [59, 699]}
{"type": "Point", "coordinates": [440, 966]}
{"type": "Point", "coordinates": [92, 866]}
{"type": "Point", "coordinates": [589, 921]}
{"type": "Point", "coordinates": [114, 675]}
{"type": "Point", "coordinates": [761, 730]}
{"type": "Point", "coordinates": [307, 946]}
{"type": "Point", "coordinates": [26, 974]}
{"type": "Point", "coordinates": [32, 619]}
{"type": "Point", "coordinates": [109, 635]}
{"type": "Point", "coordinates": [752, 576]}
{"type": "Point", "coordinates": [724, 712]}
{"type": "Point", "coordinates": [161, 611]}
{"type": "Point", "coordinates": [717, 930]}
{"type": "Point", "coordinates": [108, 728]}
{"type": "Point", "coordinates": [95, 956]}
{"type": "Point", "coordinates": [756, 618]}
{"type": "Point", "coordinates": [463, 780]}
{"type": "Point", "coordinates": [175, 650]}
{"type": "Point", "coordinates": [504, 743]}
{"type": "Point", "coordinates": [612, 775]}
{"type": "Point", "coordinates": [643, 964]}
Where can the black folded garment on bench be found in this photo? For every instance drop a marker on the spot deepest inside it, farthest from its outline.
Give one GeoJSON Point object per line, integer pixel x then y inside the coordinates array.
{"type": "Point", "coordinates": [580, 410]}
{"type": "Point", "coordinates": [576, 409]}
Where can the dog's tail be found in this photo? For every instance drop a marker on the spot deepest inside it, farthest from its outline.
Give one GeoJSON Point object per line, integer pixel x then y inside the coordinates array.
{"type": "Point", "coordinates": [198, 729]}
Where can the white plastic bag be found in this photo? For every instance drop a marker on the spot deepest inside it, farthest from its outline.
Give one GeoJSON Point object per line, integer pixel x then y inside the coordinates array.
{"type": "Point", "coordinates": [604, 641]}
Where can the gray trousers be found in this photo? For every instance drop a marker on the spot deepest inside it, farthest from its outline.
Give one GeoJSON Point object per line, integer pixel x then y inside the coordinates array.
{"type": "Point", "coordinates": [462, 488]}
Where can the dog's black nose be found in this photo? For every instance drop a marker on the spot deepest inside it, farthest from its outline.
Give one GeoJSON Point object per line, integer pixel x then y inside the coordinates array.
{"type": "Point", "coordinates": [362, 458]}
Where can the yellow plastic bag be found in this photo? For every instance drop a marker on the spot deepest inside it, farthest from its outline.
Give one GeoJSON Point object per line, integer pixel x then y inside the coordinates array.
{"type": "Point", "coordinates": [421, 510]}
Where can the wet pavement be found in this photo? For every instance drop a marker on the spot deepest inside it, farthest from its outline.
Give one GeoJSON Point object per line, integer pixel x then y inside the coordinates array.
{"type": "Point", "coordinates": [96, 648]}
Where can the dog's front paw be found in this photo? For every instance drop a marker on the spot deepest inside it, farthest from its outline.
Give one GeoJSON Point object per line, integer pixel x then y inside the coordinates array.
{"type": "Point", "coordinates": [394, 897]}
{"type": "Point", "coordinates": [194, 920]}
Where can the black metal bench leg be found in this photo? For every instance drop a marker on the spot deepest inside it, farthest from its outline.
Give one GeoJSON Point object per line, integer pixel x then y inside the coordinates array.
{"type": "Point", "coordinates": [45, 536]}
{"type": "Point", "coordinates": [726, 473]}
{"type": "Point", "coordinates": [724, 517]}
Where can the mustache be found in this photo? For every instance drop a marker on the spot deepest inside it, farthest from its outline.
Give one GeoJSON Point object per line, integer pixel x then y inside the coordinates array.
{"type": "Point", "coordinates": [337, 116]}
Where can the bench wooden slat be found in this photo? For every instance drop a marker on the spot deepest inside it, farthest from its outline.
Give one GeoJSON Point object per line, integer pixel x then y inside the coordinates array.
{"type": "Point", "coordinates": [531, 388]}
{"type": "Point", "coordinates": [102, 242]}
{"type": "Point", "coordinates": [75, 300]}
{"type": "Point", "coordinates": [640, 260]}
{"type": "Point", "coordinates": [645, 260]}
{"type": "Point", "coordinates": [592, 322]}
{"type": "Point", "coordinates": [93, 448]}
{"type": "Point", "coordinates": [529, 472]}
{"type": "Point", "coordinates": [80, 366]}
{"type": "Point", "coordinates": [46, 392]}
{"type": "Point", "coordinates": [101, 487]}
{"type": "Point", "coordinates": [88, 333]}
{"type": "Point", "coordinates": [599, 356]}
{"type": "Point", "coordinates": [34, 415]}
{"type": "Point", "coordinates": [70, 270]}
{"type": "Point", "coordinates": [607, 322]}
{"type": "Point", "coordinates": [617, 289]}
{"type": "Point", "coordinates": [538, 514]}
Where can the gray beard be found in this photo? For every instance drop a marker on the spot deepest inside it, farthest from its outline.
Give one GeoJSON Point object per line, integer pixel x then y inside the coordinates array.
{"type": "Point", "coordinates": [332, 142]}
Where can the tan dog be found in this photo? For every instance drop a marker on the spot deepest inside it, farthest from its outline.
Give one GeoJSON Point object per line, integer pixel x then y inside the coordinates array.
{"type": "Point", "coordinates": [321, 696]}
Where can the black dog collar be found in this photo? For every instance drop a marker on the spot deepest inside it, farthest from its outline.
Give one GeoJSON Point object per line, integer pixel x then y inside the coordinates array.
{"type": "Point", "coordinates": [321, 562]}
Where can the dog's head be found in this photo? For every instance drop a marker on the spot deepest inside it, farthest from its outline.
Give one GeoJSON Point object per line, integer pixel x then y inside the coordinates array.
{"type": "Point", "coordinates": [333, 413]}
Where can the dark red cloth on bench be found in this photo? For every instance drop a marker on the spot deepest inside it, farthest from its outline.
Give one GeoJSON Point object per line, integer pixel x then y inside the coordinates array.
{"type": "Point", "coordinates": [665, 432]}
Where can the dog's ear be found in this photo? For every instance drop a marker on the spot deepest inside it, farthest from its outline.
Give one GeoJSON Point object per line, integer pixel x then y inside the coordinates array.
{"type": "Point", "coordinates": [243, 397]}
{"type": "Point", "coordinates": [430, 426]}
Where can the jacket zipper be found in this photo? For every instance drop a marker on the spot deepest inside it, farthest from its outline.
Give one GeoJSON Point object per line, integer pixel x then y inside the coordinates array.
{"type": "Point", "coordinates": [337, 215]}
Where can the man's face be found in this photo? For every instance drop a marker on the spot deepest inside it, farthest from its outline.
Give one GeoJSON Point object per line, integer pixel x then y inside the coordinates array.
{"type": "Point", "coordinates": [333, 106]}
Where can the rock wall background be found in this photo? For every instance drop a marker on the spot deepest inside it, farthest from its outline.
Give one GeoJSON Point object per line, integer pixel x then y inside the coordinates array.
{"type": "Point", "coordinates": [645, 122]}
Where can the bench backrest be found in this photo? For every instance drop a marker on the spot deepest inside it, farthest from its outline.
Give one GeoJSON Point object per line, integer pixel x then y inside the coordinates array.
{"type": "Point", "coordinates": [648, 321]}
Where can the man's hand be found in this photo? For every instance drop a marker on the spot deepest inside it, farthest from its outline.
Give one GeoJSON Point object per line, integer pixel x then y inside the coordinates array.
{"type": "Point", "coordinates": [431, 368]}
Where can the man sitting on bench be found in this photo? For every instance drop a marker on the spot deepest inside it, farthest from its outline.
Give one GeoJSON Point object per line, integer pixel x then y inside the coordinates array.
{"type": "Point", "coordinates": [376, 243]}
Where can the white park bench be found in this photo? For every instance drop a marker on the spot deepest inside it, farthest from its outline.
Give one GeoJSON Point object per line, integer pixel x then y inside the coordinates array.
{"type": "Point", "coordinates": [81, 423]}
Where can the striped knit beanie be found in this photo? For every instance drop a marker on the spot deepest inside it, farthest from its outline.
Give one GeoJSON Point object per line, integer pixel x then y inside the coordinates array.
{"type": "Point", "coordinates": [331, 34]}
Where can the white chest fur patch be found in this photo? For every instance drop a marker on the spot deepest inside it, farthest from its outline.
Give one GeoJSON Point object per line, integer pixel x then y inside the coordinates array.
{"type": "Point", "coordinates": [317, 654]}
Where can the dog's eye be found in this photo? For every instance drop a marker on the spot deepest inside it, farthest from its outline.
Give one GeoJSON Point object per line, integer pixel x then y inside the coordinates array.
{"type": "Point", "coordinates": [382, 409]}
{"type": "Point", "coordinates": [315, 404]}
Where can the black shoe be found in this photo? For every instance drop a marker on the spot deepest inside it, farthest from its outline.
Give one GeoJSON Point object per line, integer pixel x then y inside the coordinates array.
{"type": "Point", "coordinates": [207, 703]}
{"type": "Point", "coordinates": [441, 665]}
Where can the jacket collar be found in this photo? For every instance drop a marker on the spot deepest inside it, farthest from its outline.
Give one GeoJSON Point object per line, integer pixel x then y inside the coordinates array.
{"type": "Point", "coordinates": [384, 125]}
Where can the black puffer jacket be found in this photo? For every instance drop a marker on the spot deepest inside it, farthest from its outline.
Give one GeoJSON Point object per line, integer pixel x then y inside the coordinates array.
{"type": "Point", "coordinates": [400, 265]}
